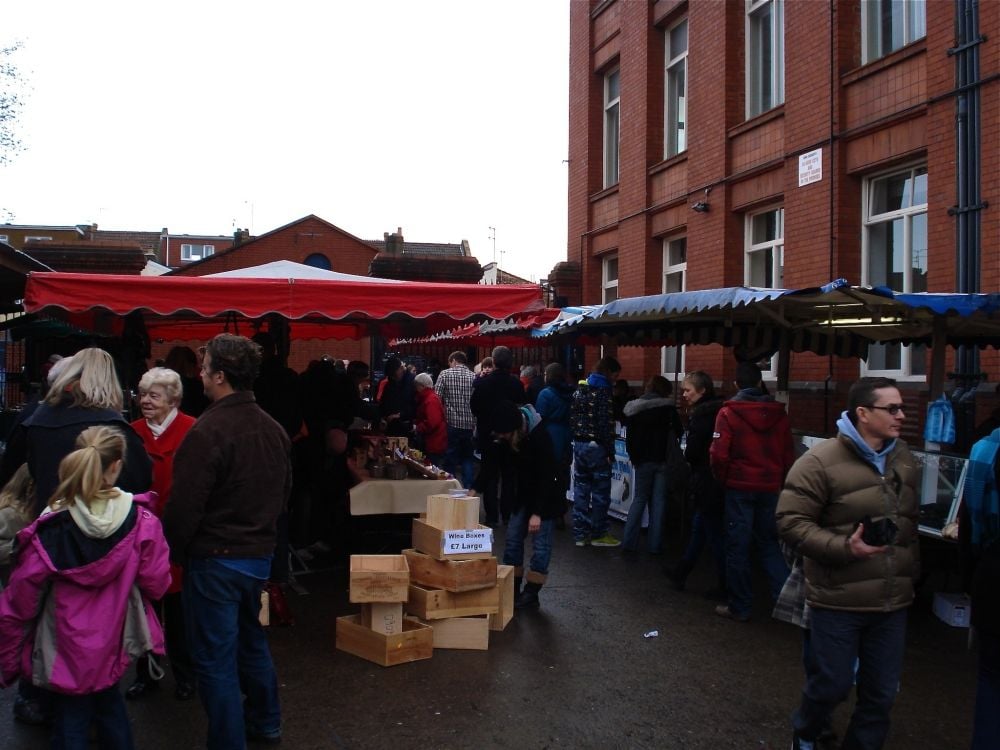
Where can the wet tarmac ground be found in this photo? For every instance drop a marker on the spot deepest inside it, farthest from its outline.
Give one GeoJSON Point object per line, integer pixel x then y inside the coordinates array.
{"type": "Point", "coordinates": [578, 673]}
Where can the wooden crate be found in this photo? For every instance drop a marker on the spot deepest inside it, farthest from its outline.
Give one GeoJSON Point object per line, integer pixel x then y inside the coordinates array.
{"type": "Point", "coordinates": [451, 575]}
{"type": "Point", "coordinates": [436, 604]}
{"type": "Point", "coordinates": [416, 641]}
{"type": "Point", "coordinates": [264, 616]}
{"type": "Point", "coordinates": [431, 541]}
{"type": "Point", "coordinates": [505, 585]}
{"type": "Point", "coordinates": [447, 512]}
{"type": "Point", "coordinates": [382, 617]}
{"type": "Point", "coordinates": [379, 578]}
{"type": "Point", "coordinates": [472, 633]}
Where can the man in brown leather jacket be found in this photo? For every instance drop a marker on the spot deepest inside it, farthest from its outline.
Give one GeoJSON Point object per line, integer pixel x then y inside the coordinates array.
{"type": "Point", "coordinates": [858, 591]}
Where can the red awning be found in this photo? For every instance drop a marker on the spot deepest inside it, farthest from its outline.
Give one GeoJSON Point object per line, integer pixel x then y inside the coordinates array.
{"type": "Point", "coordinates": [188, 307]}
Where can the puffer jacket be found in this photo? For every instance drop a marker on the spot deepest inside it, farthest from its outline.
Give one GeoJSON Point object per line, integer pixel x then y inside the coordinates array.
{"type": "Point", "coordinates": [828, 491]}
{"type": "Point", "coordinates": [652, 422]}
{"type": "Point", "coordinates": [752, 446]}
{"type": "Point", "coordinates": [83, 588]}
{"type": "Point", "coordinates": [592, 414]}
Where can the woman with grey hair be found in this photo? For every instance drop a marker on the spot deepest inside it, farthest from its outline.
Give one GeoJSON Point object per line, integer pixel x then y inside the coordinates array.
{"type": "Point", "coordinates": [429, 420]}
{"type": "Point", "coordinates": [162, 428]}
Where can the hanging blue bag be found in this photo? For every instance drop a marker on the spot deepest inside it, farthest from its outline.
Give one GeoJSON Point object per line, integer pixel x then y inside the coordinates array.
{"type": "Point", "coordinates": [940, 425]}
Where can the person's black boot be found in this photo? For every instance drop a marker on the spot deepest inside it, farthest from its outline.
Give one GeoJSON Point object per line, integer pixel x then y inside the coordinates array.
{"type": "Point", "coordinates": [679, 573]}
{"type": "Point", "coordinates": [528, 599]}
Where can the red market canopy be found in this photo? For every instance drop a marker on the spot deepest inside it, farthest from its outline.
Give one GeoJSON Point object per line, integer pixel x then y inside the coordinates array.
{"type": "Point", "coordinates": [197, 307]}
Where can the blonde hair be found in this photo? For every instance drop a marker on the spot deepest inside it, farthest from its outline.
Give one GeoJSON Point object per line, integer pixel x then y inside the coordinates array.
{"type": "Point", "coordinates": [81, 473]}
{"type": "Point", "coordinates": [90, 379]}
{"type": "Point", "coordinates": [19, 493]}
{"type": "Point", "coordinates": [167, 379]}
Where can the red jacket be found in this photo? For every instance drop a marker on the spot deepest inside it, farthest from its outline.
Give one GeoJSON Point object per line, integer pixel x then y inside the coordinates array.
{"type": "Point", "coordinates": [430, 421]}
{"type": "Point", "coordinates": [752, 446]}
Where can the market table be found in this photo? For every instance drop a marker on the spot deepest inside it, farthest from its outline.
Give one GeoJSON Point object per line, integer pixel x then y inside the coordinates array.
{"type": "Point", "coordinates": [385, 496]}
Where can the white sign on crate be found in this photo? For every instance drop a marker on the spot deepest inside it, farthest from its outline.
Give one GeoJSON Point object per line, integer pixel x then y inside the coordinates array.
{"type": "Point", "coordinates": [467, 541]}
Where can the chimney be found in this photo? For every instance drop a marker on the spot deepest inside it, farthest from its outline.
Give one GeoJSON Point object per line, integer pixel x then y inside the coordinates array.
{"type": "Point", "coordinates": [240, 236]}
{"type": "Point", "coordinates": [394, 243]}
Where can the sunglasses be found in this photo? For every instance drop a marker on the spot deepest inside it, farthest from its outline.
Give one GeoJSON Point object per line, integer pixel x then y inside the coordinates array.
{"type": "Point", "coordinates": [893, 409]}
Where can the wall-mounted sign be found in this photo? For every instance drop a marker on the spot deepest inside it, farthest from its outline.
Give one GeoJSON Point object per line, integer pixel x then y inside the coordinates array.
{"type": "Point", "coordinates": [811, 167]}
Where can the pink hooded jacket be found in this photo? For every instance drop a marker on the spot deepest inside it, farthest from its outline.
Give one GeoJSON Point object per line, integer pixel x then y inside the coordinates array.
{"type": "Point", "coordinates": [71, 617]}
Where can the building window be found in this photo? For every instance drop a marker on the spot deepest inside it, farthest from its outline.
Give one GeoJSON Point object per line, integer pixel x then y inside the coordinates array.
{"type": "Point", "coordinates": [609, 279]}
{"type": "Point", "coordinates": [611, 127]}
{"type": "Point", "coordinates": [674, 280]}
{"type": "Point", "coordinates": [765, 30]}
{"type": "Point", "coordinates": [196, 252]}
{"type": "Point", "coordinates": [3, 238]}
{"type": "Point", "coordinates": [675, 114]}
{"type": "Point", "coordinates": [887, 25]}
{"type": "Point", "coordinates": [318, 260]}
{"type": "Point", "coordinates": [894, 254]}
{"type": "Point", "coordinates": [765, 249]}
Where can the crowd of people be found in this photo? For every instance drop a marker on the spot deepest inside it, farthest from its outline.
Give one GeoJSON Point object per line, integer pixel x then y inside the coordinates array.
{"type": "Point", "coordinates": [181, 517]}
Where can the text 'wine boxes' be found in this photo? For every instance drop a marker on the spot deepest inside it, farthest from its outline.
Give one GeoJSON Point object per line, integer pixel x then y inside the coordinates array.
{"type": "Point", "coordinates": [414, 641]}
{"type": "Point", "coordinates": [451, 575]}
{"type": "Point", "coordinates": [379, 578]}
{"type": "Point", "coordinates": [471, 633]}
{"type": "Point", "coordinates": [438, 604]}
{"type": "Point", "coordinates": [505, 587]}
{"type": "Point", "coordinates": [473, 543]}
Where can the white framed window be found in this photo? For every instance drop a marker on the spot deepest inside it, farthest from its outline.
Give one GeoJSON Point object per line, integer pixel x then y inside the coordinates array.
{"type": "Point", "coordinates": [765, 249]}
{"type": "Point", "coordinates": [765, 31]}
{"type": "Point", "coordinates": [887, 25]}
{"type": "Point", "coordinates": [612, 122]}
{"type": "Point", "coordinates": [609, 279]}
{"type": "Point", "coordinates": [674, 280]}
{"type": "Point", "coordinates": [894, 254]}
{"type": "Point", "coordinates": [196, 252]}
{"type": "Point", "coordinates": [3, 238]}
{"type": "Point", "coordinates": [675, 94]}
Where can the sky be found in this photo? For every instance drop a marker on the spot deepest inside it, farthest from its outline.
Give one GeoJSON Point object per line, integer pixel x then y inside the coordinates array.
{"type": "Point", "coordinates": [442, 117]}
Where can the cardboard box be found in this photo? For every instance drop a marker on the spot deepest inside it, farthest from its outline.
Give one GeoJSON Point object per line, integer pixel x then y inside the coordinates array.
{"type": "Point", "coordinates": [433, 541]}
{"type": "Point", "coordinates": [447, 512]}
{"type": "Point", "coordinates": [414, 642]}
{"type": "Point", "coordinates": [437, 604]}
{"type": "Point", "coordinates": [505, 587]}
{"type": "Point", "coordinates": [385, 618]}
{"type": "Point", "coordinates": [379, 578]}
{"type": "Point", "coordinates": [471, 633]}
{"type": "Point", "coordinates": [954, 609]}
{"type": "Point", "coordinates": [451, 575]}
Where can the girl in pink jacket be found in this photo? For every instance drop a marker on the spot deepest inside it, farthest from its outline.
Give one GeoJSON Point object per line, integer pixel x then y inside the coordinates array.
{"type": "Point", "coordinates": [75, 610]}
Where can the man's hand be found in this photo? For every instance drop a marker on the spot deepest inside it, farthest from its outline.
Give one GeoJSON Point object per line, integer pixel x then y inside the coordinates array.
{"type": "Point", "coordinates": [859, 549]}
{"type": "Point", "coordinates": [534, 523]}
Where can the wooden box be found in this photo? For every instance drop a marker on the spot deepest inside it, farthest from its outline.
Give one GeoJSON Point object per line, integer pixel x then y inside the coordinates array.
{"type": "Point", "coordinates": [385, 618]}
{"type": "Point", "coordinates": [414, 642]}
{"type": "Point", "coordinates": [451, 575]}
{"type": "Point", "coordinates": [505, 585]}
{"type": "Point", "coordinates": [472, 633]}
{"type": "Point", "coordinates": [431, 541]}
{"type": "Point", "coordinates": [436, 604]}
{"type": "Point", "coordinates": [379, 578]}
{"type": "Point", "coordinates": [264, 616]}
{"type": "Point", "coordinates": [447, 512]}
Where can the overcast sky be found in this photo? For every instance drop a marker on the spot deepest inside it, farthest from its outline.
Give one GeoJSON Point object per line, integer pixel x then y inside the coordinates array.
{"type": "Point", "coordinates": [443, 117]}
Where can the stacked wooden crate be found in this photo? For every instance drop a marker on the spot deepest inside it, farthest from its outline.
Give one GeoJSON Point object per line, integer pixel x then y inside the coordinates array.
{"type": "Point", "coordinates": [456, 586]}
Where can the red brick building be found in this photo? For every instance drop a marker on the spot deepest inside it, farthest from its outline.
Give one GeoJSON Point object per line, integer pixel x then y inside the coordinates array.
{"type": "Point", "coordinates": [778, 143]}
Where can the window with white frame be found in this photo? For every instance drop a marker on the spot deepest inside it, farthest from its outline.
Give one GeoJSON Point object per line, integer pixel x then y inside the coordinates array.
{"type": "Point", "coordinates": [675, 95]}
{"type": "Point", "coordinates": [196, 252]}
{"type": "Point", "coordinates": [887, 25]}
{"type": "Point", "coordinates": [894, 254]}
{"type": "Point", "coordinates": [765, 249]}
{"type": "Point", "coordinates": [674, 280]}
{"type": "Point", "coordinates": [765, 31]}
{"type": "Point", "coordinates": [611, 127]}
{"type": "Point", "coordinates": [3, 238]}
{"type": "Point", "coordinates": [609, 279]}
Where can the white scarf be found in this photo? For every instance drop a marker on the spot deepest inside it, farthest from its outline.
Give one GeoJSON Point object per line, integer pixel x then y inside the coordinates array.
{"type": "Point", "coordinates": [159, 429]}
{"type": "Point", "coordinates": [103, 517]}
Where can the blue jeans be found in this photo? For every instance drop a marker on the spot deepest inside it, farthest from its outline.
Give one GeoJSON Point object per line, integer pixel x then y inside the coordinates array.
{"type": "Point", "coordinates": [986, 725]}
{"type": "Point", "coordinates": [230, 652]}
{"type": "Point", "coordinates": [651, 489]}
{"type": "Point", "coordinates": [75, 713]}
{"type": "Point", "coordinates": [750, 517]}
{"type": "Point", "coordinates": [836, 639]}
{"type": "Point", "coordinates": [591, 490]}
{"type": "Point", "coordinates": [706, 528]}
{"type": "Point", "coordinates": [513, 551]}
{"type": "Point", "coordinates": [459, 460]}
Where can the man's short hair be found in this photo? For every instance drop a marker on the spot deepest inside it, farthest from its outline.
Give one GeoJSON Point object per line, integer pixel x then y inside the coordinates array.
{"type": "Point", "coordinates": [608, 366]}
{"type": "Point", "coordinates": [502, 358]}
{"type": "Point", "coordinates": [862, 393]}
{"type": "Point", "coordinates": [747, 375]}
{"type": "Point", "coordinates": [237, 357]}
{"type": "Point", "coordinates": [660, 386]}
{"type": "Point", "coordinates": [458, 357]}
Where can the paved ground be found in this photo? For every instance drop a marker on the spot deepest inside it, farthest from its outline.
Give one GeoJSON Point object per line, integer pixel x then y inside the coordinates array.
{"type": "Point", "coordinates": [577, 674]}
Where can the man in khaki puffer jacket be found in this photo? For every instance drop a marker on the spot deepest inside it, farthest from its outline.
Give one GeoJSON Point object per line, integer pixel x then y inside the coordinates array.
{"type": "Point", "coordinates": [857, 593]}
